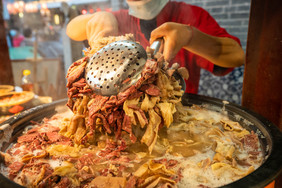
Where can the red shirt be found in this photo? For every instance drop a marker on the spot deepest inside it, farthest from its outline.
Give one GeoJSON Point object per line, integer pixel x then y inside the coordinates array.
{"type": "Point", "coordinates": [179, 12]}
{"type": "Point", "coordinates": [18, 40]}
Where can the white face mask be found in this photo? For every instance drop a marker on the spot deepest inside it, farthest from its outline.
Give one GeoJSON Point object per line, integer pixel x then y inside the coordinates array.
{"type": "Point", "coordinates": [146, 9]}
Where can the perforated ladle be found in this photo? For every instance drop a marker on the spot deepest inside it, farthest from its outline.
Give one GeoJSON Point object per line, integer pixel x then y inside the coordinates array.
{"type": "Point", "coordinates": [117, 66]}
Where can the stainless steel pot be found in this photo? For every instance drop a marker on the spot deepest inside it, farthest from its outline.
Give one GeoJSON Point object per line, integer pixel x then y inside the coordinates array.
{"type": "Point", "coordinates": [270, 136]}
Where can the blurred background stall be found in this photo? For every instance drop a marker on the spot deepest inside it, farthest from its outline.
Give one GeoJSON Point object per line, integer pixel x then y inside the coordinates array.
{"type": "Point", "coordinates": [47, 21]}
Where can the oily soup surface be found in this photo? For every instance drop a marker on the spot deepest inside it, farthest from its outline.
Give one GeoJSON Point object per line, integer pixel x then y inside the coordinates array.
{"type": "Point", "coordinates": [200, 148]}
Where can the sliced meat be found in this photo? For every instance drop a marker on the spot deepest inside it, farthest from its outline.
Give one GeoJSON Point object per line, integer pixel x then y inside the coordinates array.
{"type": "Point", "coordinates": [53, 136]}
{"type": "Point", "coordinates": [28, 137]}
{"type": "Point", "coordinates": [80, 83]}
{"type": "Point", "coordinates": [76, 70]}
{"type": "Point", "coordinates": [85, 160]}
{"type": "Point", "coordinates": [126, 126]}
{"type": "Point", "coordinates": [151, 89]}
{"type": "Point", "coordinates": [92, 122]}
{"type": "Point", "coordinates": [125, 94]}
{"type": "Point", "coordinates": [96, 104]}
{"type": "Point", "coordinates": [112, 149]}
{"type": "Point", "coordinates": [131, 182]}
{"type": "Point", "coordinates": [58, 138]}
{"type": "Point", "coordinates": [14, 169]}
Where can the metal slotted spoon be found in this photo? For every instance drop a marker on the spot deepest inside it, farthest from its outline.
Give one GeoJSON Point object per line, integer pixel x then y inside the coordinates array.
{"type": "Point", "coordinates": [115, 67]}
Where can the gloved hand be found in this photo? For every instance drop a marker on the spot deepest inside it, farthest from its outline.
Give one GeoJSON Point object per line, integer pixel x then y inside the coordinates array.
{"type": "Point", "coordinates": [92, 27]}
{"type": "Point", "coordinates": [102, 24]}
{"type": "Point", "coordinates": [175, 37]}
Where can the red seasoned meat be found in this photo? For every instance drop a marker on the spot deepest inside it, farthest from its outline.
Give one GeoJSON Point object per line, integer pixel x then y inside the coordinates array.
{"type": "Point", "coordinates": [92, 120]}
{"type": "Point", "coordinates": [125, 94]}
{"type": "Point", "coordinates": [58, 138]}
{"type": "Point", "coordinates": [110, 109]}
{"type": "Point", "coordinates": [151, 89]}
{"type": "Point", "coordinates": [53, 136]}
{"type": "Point", "coordinates": [28, 137]}
{"type": "Point", "coordinates": [80, 83]}
{"type": "Point", "coordinates": [76, 70]}
{"type": "Point", "coordinates": [112, 149]}
{"type": "Point", "coordinates": [96, 104]}
{"type": "Point", "coordinates": [131, 182]}
{"type": "Point", "coordinates": [85, 160]}
{"type": "Point", "coordinates": [137, 94]}
{"type": "Point", "coordinates": [126, 126]}
{"type": "Point", "coordinates": [14, 168]}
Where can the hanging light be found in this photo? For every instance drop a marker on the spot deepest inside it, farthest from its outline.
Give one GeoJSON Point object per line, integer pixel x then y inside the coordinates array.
{"type": "Point", "coordinates": [56, 19]}
{"type": "Point", "coordinates": [44, 9]}
{"type": "Point", "coordinates": [20, 6]}
{"type": "Point", "coordinates": [83, 11]}
{"type": "Point", "coordinates": [21, 15]}
{"type": "Point", "coordinates": [10, 8]}
{"type": "Point", "coordinates": [91, 10]}
{"type": "Point", "coordinates": [44, 6]}
{"type": "Point", "coordinates": [16, 7]}
{"type": "Point", "coordinates": [31, 7]}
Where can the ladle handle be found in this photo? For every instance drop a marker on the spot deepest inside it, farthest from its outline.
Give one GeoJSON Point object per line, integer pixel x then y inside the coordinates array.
{"type": "Point", "coordinates": [156, 45]}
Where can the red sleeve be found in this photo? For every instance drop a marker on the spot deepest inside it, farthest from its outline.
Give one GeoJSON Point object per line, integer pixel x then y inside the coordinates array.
{"type": "Point", "coordinates": [207, 24]}
{"type": "Point", "coordinates": [123, 19]}
{"type": "Point", "coordinates": [119, 16]}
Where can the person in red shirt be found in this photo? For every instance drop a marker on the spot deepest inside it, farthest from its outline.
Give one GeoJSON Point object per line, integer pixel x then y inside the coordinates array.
{"type": "Point", "coordinates": [191, 35]}
{"type": "Point", "coordinates": [17, 38]}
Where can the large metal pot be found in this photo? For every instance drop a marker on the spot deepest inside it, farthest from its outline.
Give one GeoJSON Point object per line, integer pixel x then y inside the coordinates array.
{"type": "Point", "coordinates": [270, 136]}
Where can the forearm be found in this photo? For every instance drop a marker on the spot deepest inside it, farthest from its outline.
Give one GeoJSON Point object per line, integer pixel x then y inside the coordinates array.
{"type": "Point", "coordinates": [76, 28]}
{"type": "Point", "coordinates": [91, 27]}
{"type": "Point", "coordinates": [221, 51]}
